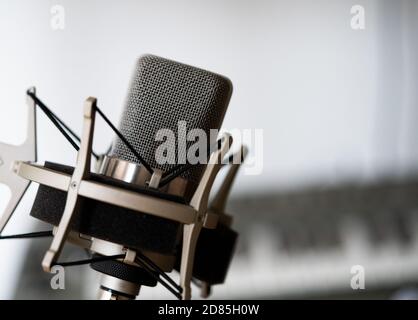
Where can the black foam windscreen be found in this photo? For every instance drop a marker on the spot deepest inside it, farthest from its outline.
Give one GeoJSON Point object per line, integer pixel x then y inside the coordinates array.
{"type": "Point", "coordinates": [214, 251]}
{"type": "Point", "coordinates": [130, 228]}
{"type": "Point", "coordinates": [162, 93]}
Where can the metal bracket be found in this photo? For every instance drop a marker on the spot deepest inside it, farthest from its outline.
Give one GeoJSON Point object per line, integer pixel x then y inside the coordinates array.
{"type": "Point", "coordinates": [155, 179]}
{"type": "Point", "coordinates": [219, 201]}
{"type": "Point", "coordinates": [194, 216]}
{"type": "Point", "coordinates": [81, 172]}
{"type": "Point", "coordinates": [200, 203]}
{"type": "Point", "coordinates": [108, 194]}
{"type": "Point", "coordinates": [216, 213]}
{"type": "Point", "coordinates": [8, 154]}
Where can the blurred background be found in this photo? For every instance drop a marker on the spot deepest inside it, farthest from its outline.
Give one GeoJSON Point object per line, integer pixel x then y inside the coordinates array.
{"type": "Point", "coordinates": [337, 106]}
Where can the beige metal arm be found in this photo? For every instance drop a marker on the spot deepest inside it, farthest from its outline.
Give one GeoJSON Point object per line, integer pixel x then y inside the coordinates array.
{"type": "Point", "coordinates": [200, 203]}
{"type": "Point", "coordinates": [216, 210]}
{"type": "Point", "coordinates": [108, 194]}
{"type": "Point", "coordinates": [81, 172]}
{"type": "Point", "coordinates": [218, 204]}
{"type": "Point", "coordinates": [24, 152]}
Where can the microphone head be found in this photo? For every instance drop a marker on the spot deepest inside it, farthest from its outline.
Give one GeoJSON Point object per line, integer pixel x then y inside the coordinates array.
{"type": "Point", "coordinates": [162, 93]}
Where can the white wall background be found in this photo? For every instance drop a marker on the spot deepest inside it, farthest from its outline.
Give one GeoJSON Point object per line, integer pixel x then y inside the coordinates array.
{"type": "Point", "coordinates": [334, 103]}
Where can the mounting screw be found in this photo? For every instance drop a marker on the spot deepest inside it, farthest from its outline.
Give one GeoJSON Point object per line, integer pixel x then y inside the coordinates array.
{"type": "Point", "coordinates": [73, 184]}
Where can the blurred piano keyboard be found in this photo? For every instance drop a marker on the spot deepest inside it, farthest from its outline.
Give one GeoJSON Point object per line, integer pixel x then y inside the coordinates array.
{"type": "Point", "coordinates": [299, 244]}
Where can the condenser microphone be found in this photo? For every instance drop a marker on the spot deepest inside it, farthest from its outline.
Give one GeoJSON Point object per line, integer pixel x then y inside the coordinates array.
{"type": "Point", "coordinates": [152, 216]}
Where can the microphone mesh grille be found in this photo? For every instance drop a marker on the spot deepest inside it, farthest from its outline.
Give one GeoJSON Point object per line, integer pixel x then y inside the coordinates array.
{"type": "Point", "coordinates": [162, 93]}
